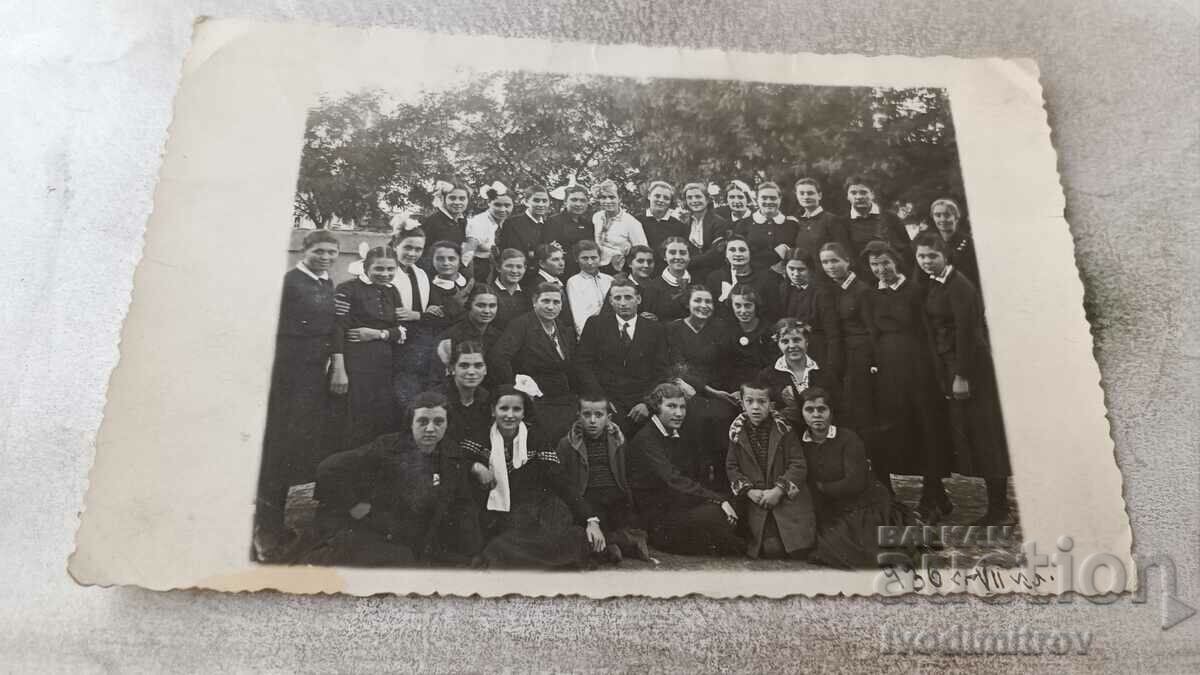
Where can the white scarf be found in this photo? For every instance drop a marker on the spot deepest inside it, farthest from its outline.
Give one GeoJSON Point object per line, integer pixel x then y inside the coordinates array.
{"type": "Point", "coordinates": [500, 498]}
{"type": "Point", "coordinates": [404, 285]}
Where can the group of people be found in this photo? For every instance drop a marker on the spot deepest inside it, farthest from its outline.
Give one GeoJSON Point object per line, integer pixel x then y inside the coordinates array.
{"type": "Point", "coordinates": [559, 389]}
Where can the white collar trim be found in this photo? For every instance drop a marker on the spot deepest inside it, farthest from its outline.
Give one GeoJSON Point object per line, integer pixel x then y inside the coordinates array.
{"type": "Point", "coordinates": [304, 268]}
{"type": "Point", "coordinates": [832, 434]}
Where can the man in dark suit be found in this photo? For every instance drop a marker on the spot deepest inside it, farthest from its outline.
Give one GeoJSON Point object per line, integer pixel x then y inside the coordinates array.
{"type": "Point", "coordinates": [623, 355]}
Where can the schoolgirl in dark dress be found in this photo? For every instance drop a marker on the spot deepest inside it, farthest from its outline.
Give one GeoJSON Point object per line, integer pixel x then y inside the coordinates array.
{"type": "Point", "coordinates": [681, 514]}
{"type": "Point", "coordinates": [401, 499]}
{"type": "Point", "coordinates": [738, 270]}
{"type": "Point", "coordinates": [802, 295]}
{"type": "Point", "coordinates": [469, 410]}
{"type": "Point", "coordinates": [953, 316]}
{"type": "Point", "coordinates": [657, 222]}
{"type": "Point", "coordinates": [865, 223]}
{"type": "Point", "coordinates": [448, 222]}
{"type": "Point", "coordinates": [665, 294]}
{"type": "Point", "coordinates": [512, 300]}
{"type": "Point", "coordinates": [448, 288]}
{"type": "Point", "coordinates": [531, 517]}
{"type": "Point", "coordinates": [410, 364]}
{"type": "Point", "coordinates": [698, 349]}
{"type": "Point", "coordinates": [850, 502]}
{"type": "Point", "coordinates": [704, 230]}
{"type": "Point", "coordinates": [299, 404]}
{"type": "Point", "coordinates": [767, 230]}
{"type": "Point", "coordinates": [523, 232]}
{"type": "Point", "coordinates": [911, 409]}
{"type": "Point", "coordinates": [739, 206]}
{"type": "Point", "coordinates": [853, 359]}
{"type": "Point", "coordinates": [751, 344]}
{"type": "Point", "coordinates": [815, 226]}
{"type": "Point", "coordinates": [367, 334]}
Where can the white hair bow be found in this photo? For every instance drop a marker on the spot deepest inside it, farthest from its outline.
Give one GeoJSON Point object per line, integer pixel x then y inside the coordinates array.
{"type": "Point", "coordinates": [497, 188]}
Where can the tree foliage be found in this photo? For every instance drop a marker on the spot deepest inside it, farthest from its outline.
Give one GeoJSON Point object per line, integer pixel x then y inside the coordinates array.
{"type": "Point", "coordinates": [364, 154]}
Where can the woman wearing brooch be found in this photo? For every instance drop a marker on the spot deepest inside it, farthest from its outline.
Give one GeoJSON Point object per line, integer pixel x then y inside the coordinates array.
{"type": "Point", "coordinates": [753, 348]}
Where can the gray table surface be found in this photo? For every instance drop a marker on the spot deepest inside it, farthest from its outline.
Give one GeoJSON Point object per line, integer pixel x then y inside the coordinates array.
{"type": "Point", "coordinates": [86, 97]}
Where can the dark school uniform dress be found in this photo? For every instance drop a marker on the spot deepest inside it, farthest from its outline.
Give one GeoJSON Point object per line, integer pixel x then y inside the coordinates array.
{"type": "Point", "coordinates": [410, 361]}
{"type": "Point", "coordinates": [953, 318]}
{"type": "Point", "coordinates": [859, 230]}
{"type": "Point", "coordinates": [681, 514]}
{"type": "Point", "coordinates": [912, 410]}
{"type": "Point", "coordinates": [721, 282]}
{"type": "Point", "coordinates": [813, 232]}
{"type": "Point", "coordinates": [465, 330]}
{"type": "Point", "coordinates": [299, 404]}
{"type": "Point", "coordinates": [749, 352]}
{"type": "Point", "coordinates": [665, 300]}
{"type": "Point", "coordinates": [658, 230]}
{"type": "Point", "coordinates": [522, 233]}
{"type": "Point", "coordinates": [467, 421]}
{"type": "Point", "coordinates": [700, 358]}
{"type": "Point", "coordinates": [420, 510]}
{"type": "Point", "coordinates": [567, 229]}
{"type": "Point", "coordinates": [371, 406]}
{"type": "Point", "coordinates": [764, 234]}
{"type": "Point", "coordinates": [853, 358]}
{"type": "Point", "coordinates": [814, 305]}
{"type": "Point", "coordinates": [710, 254]}
{"type": "Point", "coordinates": [596, 469]}
{"type": "Point", "coordinates": [510, 304]}
{"type": "Point", "coordinates": [850, 502]}
{"type": "Point", "coordinates": [439, 226]}
{"type": "Point", "coordinates": [525, 348]}
{"type": "Point", "coordinates": [451, 296]}
{"type": "Point", "coordinates": [544, 526]}
{"type": "Point", "coordinates": [960, 252]}
{"type": "Point", "coordinates": [763, 457]}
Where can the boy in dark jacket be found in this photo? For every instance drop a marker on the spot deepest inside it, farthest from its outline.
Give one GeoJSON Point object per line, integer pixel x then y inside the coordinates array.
{"type": "Point", "coordinates": [593, 458]}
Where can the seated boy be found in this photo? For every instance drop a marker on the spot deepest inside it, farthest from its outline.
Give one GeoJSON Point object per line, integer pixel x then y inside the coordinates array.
{"type": "Point", "coordinates": [767, 472]}
{"type": "Point", "coordinates": [593, 457]}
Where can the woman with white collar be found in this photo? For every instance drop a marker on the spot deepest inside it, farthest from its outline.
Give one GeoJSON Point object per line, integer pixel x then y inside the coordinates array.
{"type": "Point", "coordinates": [738, 270]}
{"type": "Point", "coordinates": [911, 408]}
{"type": "Point", "coordinates": [616, 230]}
{"type": "Point", "coordinates": [523, 492]}
{"type": "Point", "coordinates": [770, 234]}
{"type": "Point", "coordinates": [816, 226]}
{"type": "Point", "coordinates": [953, 316]}
{"type": "Point", "coordinates": [739, 205]}
{"type": "Point", "coordinates": [448, 222]}
{"type": "Point", "coordinates": [669, 289]}
{"type": "Point", "coordinates": [448, 287]}
{"type": "Point", "coordinates": [853, 356]}
{"type": "Point", "coordinates": [484, 228]}
{"type": "Point", "coordinates": [410, 365]}
{"type": "Point", "coordinates": [850, 503]}
{"type": "Point", "coordinates": [367, 330]}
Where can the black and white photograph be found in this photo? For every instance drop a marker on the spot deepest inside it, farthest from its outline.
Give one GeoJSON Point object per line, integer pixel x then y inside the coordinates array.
{"type": "Point", "coordinates": [548, 321]}
{"type": "Point", "coordinates": [662, 322]}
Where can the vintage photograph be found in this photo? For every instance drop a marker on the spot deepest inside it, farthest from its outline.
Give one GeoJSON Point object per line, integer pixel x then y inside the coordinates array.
{"type": "Point", "coordinates": [556, 321]}
{"type": "Point", "coordinates": [668, 322]}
